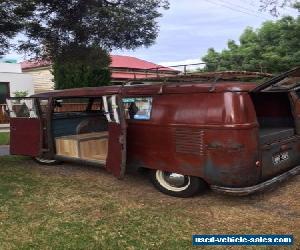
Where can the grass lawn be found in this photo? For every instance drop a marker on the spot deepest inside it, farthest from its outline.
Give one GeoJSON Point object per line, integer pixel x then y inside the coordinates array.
{"type": "Point", "coordinates": [4, 138]}
{"type": "Point", "coordinates": [80, 207]}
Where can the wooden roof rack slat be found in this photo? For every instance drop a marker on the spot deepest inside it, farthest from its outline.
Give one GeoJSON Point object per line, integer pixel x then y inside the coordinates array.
{"type": "Point", "coordinates": [201, 76]}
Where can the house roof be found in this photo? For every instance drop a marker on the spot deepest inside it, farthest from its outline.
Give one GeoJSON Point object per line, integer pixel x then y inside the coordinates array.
{"type": "Point", "coordinates": [34, 64]}
{"type": "Point", "coordinates": [118, 61]}
{"type": "Point", "coordinates": [135, 63]}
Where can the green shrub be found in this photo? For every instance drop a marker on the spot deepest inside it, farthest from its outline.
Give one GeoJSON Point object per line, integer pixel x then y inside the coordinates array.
{"type": "Point", "coordinates": [21, 93]}
{"type": "Point", "coordinates": [79, 67]}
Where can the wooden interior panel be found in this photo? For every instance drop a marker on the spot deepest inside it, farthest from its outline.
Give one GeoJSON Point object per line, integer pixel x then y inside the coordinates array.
{"type": "Point", "coordinates": [90, 146]}
{"type": "Point", "coordinates": [67, 147]}
{"type": "Point", "coordinates": [94, 149]}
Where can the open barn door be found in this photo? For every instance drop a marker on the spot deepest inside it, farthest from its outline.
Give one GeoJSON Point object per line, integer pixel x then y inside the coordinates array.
{"type": "Point", "coordinates": [25, 127]}
{"type": "Point", "coordinates": [116, 156]}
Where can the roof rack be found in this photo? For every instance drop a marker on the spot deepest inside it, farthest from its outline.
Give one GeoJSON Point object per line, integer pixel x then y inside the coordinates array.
{"type": "Point", "coordinates": [200, 77]}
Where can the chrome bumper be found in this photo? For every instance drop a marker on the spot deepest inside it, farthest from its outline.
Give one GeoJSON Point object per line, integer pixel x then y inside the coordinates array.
{"type": "Point", "coordinates": [259, 187]}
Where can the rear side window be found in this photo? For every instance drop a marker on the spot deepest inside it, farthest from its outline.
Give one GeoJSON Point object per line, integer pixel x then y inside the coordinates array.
{"type": "Point", "coordinates": [95, 104]}
{"type": "Point", "coordinates": [22, 108]}
{"type": "Point", "coordinates": [83, 104]}
{"type": "Point", "coordinates": [44, 105]}
{"type": "Point", "coordinates": [70, 105]}
{"type": "Point", "coordinates": [138, 108]}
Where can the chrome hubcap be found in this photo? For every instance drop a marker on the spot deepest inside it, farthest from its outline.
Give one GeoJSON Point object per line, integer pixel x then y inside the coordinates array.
{"type": "Point", "coordinates": [175, 180]}
{"type": "Point", "coordinates": [172, 181]}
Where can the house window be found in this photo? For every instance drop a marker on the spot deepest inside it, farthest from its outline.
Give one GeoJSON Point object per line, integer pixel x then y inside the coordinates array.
{"type": "Point", "coordinates": [138, 108]}
{"type": "Point", "coordinates": [4, 92]}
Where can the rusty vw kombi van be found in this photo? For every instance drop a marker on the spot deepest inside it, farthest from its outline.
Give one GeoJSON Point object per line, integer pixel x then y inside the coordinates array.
{"type": "Point", "coordinates": [234, 137]}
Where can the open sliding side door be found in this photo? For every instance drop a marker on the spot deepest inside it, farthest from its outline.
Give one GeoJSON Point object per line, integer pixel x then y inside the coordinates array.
{"type": "Point", "coordinates": [116, 156]}
{"type": "Point", "coordinates": [25, 126]}
{"type": "Point", "coordinates": [286, 81]}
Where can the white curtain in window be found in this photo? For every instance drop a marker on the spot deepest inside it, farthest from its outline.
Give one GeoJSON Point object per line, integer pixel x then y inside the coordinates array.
{"type": "Point", "coordinates": [104, 98]}
{"type": "Point", "coordinates": [30, 105]}
{"type": "Point", "coordinates": [12, 113]}
{"type": "Point", "coordinates": [115, 108]}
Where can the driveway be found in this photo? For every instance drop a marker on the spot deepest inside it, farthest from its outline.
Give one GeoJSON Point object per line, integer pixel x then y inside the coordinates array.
{"type": "Point", "coordinates": [4, 150]}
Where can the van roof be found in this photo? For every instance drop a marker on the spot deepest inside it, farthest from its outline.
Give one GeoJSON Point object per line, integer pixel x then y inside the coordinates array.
{"type": "Point", "coordinates": [152, 89]}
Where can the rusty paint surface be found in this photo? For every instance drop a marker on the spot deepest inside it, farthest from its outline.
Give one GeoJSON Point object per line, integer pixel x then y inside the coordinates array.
{"type": "Point", "coordinates": [115, 149]}
{"type": "Point", "coordinates": [295, 101]}
{"type": "Point", "coordinates": [25, 136]}
{"type": "Point", "coordinates": [198, 135]}
{"type": "Point", "coordinates": [179, 88]}
{"type": "Point", "coordinates": [290, 146]}
{"type": "Point", "coordinates": [196, 131]}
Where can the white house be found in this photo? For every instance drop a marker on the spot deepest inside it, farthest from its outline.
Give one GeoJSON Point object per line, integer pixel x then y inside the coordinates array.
{"type": "Point", "coordinates": [13, 80]}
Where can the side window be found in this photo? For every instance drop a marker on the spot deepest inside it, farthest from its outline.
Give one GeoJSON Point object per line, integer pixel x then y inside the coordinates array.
{"type": "Point", "coordinates": [111, 108]}
{"type": "Point", "coordinates": [43, 106]}
{"type": "Point", "coordinates": [95, 104]}
{"type": "Point", "coordinates": [22, 108]}
{"type": "Point", "coordinates": [138, 108]}
{"type": "Point", "coordinates": [64, 105]}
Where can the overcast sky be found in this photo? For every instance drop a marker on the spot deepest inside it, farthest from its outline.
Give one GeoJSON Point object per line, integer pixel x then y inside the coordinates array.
{"type": "Point", "coordinates": [190, 27]}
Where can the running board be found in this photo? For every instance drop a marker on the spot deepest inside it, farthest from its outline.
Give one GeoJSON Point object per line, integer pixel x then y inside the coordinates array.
{"type": "Point", "coordinates": [259, 187]}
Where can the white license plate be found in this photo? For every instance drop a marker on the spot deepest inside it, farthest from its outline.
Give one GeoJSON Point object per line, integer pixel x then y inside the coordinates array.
{"type": "Point", "coordinates": [278, 158]}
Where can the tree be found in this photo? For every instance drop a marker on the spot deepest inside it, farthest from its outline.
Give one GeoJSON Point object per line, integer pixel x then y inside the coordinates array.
{"type": "Point", "coordinates": [297, 6]}
{"type": "Point", "coordinates": [275, 47]}
{"type": "Point", "coordinates": [73, 33]}
{"type": "Point", "coordinates": [12, 16]}
{"type": "Point", "coordinates": [85, 67]}
{"type": "Point", "coordinates": [114, 24]}
{"type": "Point", "coordinates": [273, 6]}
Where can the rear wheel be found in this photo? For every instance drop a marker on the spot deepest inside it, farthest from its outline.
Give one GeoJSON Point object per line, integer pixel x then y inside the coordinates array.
{"type": "Point", "coordinates": [176, 184]}
{"type": "Point", "coordinates": [45, 161]}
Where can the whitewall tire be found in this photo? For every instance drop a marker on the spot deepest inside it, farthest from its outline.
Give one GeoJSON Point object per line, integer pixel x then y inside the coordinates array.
{"type": "Point", "coordinates": [44, 161]}
{"type": "Point", "coordinates": [176, 184]}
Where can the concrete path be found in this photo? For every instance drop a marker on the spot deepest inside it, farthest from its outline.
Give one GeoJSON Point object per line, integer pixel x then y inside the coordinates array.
{"type": "Point", "coordinates": [4, 150]}
{"type": "Point", "coordinates": [4, 127]}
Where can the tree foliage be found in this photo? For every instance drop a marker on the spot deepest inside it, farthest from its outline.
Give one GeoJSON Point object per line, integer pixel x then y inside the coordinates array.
{"type": "Point", "coordinates": [21, 93]}
{"type": "Point", "coordinates": [114, 24]}
{"type": "Point", "coordinates": [86, 68]}
{"type": "Point", "coordinates": [274, 6]}
{"type": "Point", "coordinates": [275, 47]}
{"type": "Point", "coordinates": [12, 16]}
{"type": "Point", "coordinates": [76, 35]}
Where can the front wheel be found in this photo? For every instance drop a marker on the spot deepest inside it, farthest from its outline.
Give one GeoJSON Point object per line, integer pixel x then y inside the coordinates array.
{"type": "Point", "coordinates": [45, 161]}
{"type": "Point", "coordinates": [177, 185]}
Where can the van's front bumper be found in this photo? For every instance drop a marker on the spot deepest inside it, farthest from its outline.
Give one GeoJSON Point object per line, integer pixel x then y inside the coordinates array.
{"type": "Point", "coordinates": [259, 187]}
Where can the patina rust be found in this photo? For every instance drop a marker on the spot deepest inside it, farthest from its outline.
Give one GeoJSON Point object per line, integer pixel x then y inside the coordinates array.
{"type": "Point", "coordinates": [208, 130]}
